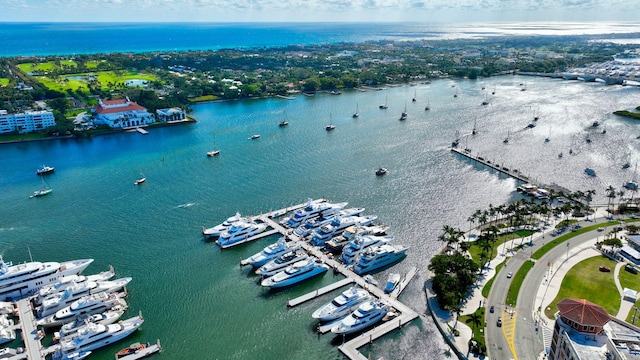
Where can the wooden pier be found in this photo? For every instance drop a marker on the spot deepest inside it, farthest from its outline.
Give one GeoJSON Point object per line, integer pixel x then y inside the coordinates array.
{"type": "Point", "coordinates": [514, 173]}
{"type": "Point", "coordinates": [350, 348]}
{"type": "Point", "coordinates": [142, 131]}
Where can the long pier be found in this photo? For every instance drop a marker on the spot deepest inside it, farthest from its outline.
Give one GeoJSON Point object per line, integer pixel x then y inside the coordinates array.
{"type": "Point", "coordinates": [514, 173]}
{"type": "Point", "coordinates": [319, 292]}
{"type": "Point", "coordinates": [350, 348]}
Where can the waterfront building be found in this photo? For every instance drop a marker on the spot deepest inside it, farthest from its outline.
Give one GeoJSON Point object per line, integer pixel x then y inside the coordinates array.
{"type": "Point", "coordinates": [171, 114]}
{"type": "Point", "coordinates": [121, 113]}
{"type": "Point", "coordinates": [584, 330]}
{"type": "Point", "coordinates": [631, 250]}
{"type": "Point", "coordinates": [26, 122]}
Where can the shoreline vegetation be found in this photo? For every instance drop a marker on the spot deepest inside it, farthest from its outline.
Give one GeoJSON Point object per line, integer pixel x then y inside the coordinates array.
{"type": "Point", "coordinates": [69, 85]}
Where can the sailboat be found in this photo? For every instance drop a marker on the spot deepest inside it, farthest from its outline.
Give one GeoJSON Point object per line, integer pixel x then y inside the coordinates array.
{"type": "Point", "coordinates": [283, 122]}
{"type": "Point", "coordinates": [428, 107]}
{"type": "Point", "coordinates": [475, 129]}
{"type": "Point", "coordinates": [356, 114]}
{"type": "Point", "coordinates": [404, 115]}
{"type": "Point", "coordinates": [414, 96]}
{"type": "Point", "coordinates": [506, 140]}
{"type": "Point", "coordinates": [384, 106]}
{"type": "Point", "coordinates": [330, 126]}
{"type": "Point", "coordinates": [486, 99]}
{"type": "Point", "coordinates": [548, 136]}
{"type": "Point", "coordinates": [494, 90]}
{"type": "Point", "coordinates": [456, 94]}
{"type": "Point", "coordinates": [42, 192]}
{"type": "Point", "coordinates": [215, 151]}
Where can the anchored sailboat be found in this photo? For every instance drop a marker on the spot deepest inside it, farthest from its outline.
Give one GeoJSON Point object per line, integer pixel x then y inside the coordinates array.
{"type": "Point", "coordinates": [356, 114]}
{"type": "Point", "coordinates": [330, 126]}
{"type": "Point", "coordinates": [384, 106]}
{"type": "Point", "coordinates": [404, 114]}
{"type": "Point", "coordinates": [215, 151]}
{"type": "Point", "coordinates": [42, 192]}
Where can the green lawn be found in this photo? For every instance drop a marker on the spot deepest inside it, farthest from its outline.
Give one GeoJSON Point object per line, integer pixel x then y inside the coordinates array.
{"type": "Point", "coordinates": [585, 281]}
{"type": "Point", "coordinates": [516, 283]}
{"type": "Point", "coordinates": [475, 250]}
{"type": "Point", "coordinates": [68, 63]}
{"type": "Point", "coordinates": [92, 64]}
{"type": "Point", "coordinates": [478, 328]}
{"type": "Point", "coordinates": [62, 84]}
{"type": "Point", "coordinates": [106, 77]}
{"type": "Point", "coordinates": [560, 239]}
{"type": "Point", "coordinates": [203, 98]}
{"type": "Point", "coordinates": [29, 67]}
{"type": "Point", "coordinates": [487, 286]}
{"type": "Point", "coordinates": [4, 81]}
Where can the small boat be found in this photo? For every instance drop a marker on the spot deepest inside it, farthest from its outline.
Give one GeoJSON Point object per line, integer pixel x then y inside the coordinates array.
{"type": "Point", "coordinates": [140, 180]}
{"type": "Point", "coordinates": [631, 185]}
{"type": "Point", "coordinates": [506, 140]}
{"type": "Point", "coordinates": [138, 351]}
{"type": "Point", "coordinates": [376, 257]}
{"type": "Point", "coordinates": [283, 122]}
{"type": "Point", "coordinates": [253, 137]}
{"type": "Point", "coordinates": [595, 124]}
{"type": "Point", "coordinates": [428, 107]}
{"type": "Point", "coordinates": [392, 281]}
{"type": "Point", "coordinates": [414, 96]}
{"type": "Point", "coordinates": [560, 155]}
{"type": "Point", "coordinates": [270, 252]}
{"type": "Point", "coordinates": [44, 169]}
{"type": "Point", "coordinates": [299, 271]}
{"type": "Point", "coordinates": [626, 166]}
{"type": "Point", "coordinates": [356, 114]}
{"type": "Point", "coordinates": [330, 126]}
{"type": "Point", "coordinates": [381, 171]}
{"type": "Point", "coordinates": [342, 305]}
{"type": "Point", "coordinates": [367, 314]}
{"type": "Point", "coordinates": [404, 114]}
{"type": "Point", "coordinates": [384, 106]}
{"type": "Point", "coordinates": [46, 190]}
{"type": "Point", "coordinates": [474, 131]}
{"type": "Point", "coordinates": [590, 172]}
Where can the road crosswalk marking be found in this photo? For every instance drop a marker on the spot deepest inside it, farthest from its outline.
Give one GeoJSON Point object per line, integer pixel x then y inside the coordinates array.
{"type": "Point", "coordinates": [509, 329]}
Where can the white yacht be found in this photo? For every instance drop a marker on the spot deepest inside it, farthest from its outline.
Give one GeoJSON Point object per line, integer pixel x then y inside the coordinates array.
{"type": "Point", "coordinates": [311, 210]}
{"type": "Point", "coordinates": [342, 305]}
{"type": "Point", "coordinates": [5, 322]}
{"type": "Point", "coordinates": [270, 252]}
{"type": "Point", "coordinates": [360, 243]}
{"type": "Point", "coordinates": [19, 281]}
{"type": "Point", "coordinates": [310, 225]}
{"type": "Point", "coordinates": [239, 232]}
{"type": "Point", "coordinates": [337, 226]}
{"type": "Point", "coordinates": [218, 229]}
{"type": "Point", "coordinates": [281, 262]}
{"type": "Point", "coordinates": [75, 355]}
{"type": "Point", "coordinates": [66, 281]}
{"type": "Point", "coordinates": [296, 273]}
{"type": "Point", "coordinates": [94, 336]}
{"type": "Point", "coordinates": [338, 242]}
{"type": "Point", "coordinates": [376, 257]}
{"type": "Point", "coordinates": [7, 335]}
{"type": "Point", "coordinates": [367, 314]}
{"type": "Point", "coordinates": [392, 281]}
{"type": "Point", "coordinates": [106, 318]}
{"type": "Point", "coordinates": [55, 302]}
{"type": "Point", "coordinates": [91, 304]}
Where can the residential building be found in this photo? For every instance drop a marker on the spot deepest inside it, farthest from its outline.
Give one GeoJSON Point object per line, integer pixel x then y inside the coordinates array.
{"type": "Point", "coordinates": [171, 114]}
{"type": "Point", "coordinates": [121, 113]}
{"type": "Point", "coordinates": [584, 330]}
{"type": "Point", "coordinates": [26, 122]}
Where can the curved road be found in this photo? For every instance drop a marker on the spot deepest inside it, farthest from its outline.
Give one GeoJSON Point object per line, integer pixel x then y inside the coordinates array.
{"type": "Point", "coordinates": [523, 334]}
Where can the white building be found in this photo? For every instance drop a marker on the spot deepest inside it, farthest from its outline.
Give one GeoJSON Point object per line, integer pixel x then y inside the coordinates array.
{"type": "Point", "coordinates": [171, 114]}
{"type": "Point", "coordinates": [121, 113]}
{"type": "Point", "coordinates": [30, 121]}
{"type": "Point", "coordinates": [584, 330]}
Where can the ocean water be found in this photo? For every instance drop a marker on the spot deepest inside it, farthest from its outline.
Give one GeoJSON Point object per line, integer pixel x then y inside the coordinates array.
{"type": "Point", "coordinates": [197, 299]}
{"type": "Point", "coordinates": [41, 39]}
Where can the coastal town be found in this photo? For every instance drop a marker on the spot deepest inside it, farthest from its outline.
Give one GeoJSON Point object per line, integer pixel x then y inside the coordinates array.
{"type": "Point", "coordinates": [551, 274]}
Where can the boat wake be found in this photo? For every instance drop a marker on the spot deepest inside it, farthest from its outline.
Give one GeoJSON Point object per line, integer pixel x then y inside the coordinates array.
{"type": "Point", "coordinates": [185, 205]}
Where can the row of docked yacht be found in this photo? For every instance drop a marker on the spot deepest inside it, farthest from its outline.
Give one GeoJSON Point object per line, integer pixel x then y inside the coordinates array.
{"type": "Point", "coordinates": [311, 225]}
{"type": "Point", "coordinates": [335, 228]}
{"type": "Point", "coordinates": [87, 305]}
{"type": "Point", "coordinates": [22, 280]}
{"type": "Point", "coordinates": [312, 209]}
{"type": "Point", "coordinates": [281, 262]}
{"type": "Point", "coordinates": [239, 232]}
{"type": "Point", "coordinates": [298, 272]}
{"type": "Point", "coordinates": [270, 252]}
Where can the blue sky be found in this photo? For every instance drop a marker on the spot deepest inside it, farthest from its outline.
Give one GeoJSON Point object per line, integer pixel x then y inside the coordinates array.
{"type": "Point", "coordinates": [436, 11]}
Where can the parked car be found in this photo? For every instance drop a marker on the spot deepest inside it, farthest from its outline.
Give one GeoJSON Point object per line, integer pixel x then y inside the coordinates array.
{"type": "Point", "coordinates": [499, 322]}
{"type": "Point", "coordinates": [631, 269]}
{"type": "Point", "coordinates": [604, 269]}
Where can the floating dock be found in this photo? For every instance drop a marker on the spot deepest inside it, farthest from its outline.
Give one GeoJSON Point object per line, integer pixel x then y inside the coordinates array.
{"type": "Point", "coordinates": [319, 292]}
{"type": "Point", "coordinates": [514, 173]}
{"type": "Point", "coordinates": [142, 131]}
{"type": "Point", "coordinates": [404, 282]}
{"type": "Point", "coordinates": [350, 348]}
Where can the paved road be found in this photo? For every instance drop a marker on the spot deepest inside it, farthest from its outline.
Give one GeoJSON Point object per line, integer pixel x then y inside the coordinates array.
{"type": "Point", "coordinates": [526, 340]}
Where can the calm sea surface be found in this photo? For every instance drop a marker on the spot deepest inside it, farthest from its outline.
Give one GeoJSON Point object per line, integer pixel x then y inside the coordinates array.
{"type": "Point", "coordinates": [196, 298]}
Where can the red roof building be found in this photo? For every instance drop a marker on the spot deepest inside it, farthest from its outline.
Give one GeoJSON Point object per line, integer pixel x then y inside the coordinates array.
{"type": "Point", "coordinates": [121, 113]}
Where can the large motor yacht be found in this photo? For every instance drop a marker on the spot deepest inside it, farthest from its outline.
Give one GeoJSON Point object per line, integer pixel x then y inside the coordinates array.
{"type": "Point", "coordinates": [106, 318]}
{"type": "Point", "coordinates": [281, 262]}
{"type": "Point", "coordinates": [94, 336]}
{"type": "Point", "coordinates": [67, 281]}
{"type": "Point", "coordinates": [360, 243]}
{"type": "Point", "coordinates": [337, 226]}
{"type": "Point", "coordinates": [342, 305]}
{"type": "Point", "coordinates": [220, 228]}
{"type": "Point", "coordinates": [312, 210]}
{"type": "Point", "coordinates": [376, 257]}
{"type": "Point", "coordinates": [88, 305]}
{"type": "Point", "coordinates": [240, 231]}
{"type": "Point", "coordinates": [55, 302]}
{"type": "Point", "coordinates": [22, 280]}
{"type": "Point", "coordinates": [296, 273]}
{"type": "Point", "coordinates": [338, 242]}
{"type": "Point", "coordinates": [309, 226]}
{"type": "Point", "coordinates": [270, 252]}
{"type": "Point", "coordinates": [367, 314]}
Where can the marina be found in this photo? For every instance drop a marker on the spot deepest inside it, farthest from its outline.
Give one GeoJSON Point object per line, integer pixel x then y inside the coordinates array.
{"type": "Point", "coordinates": [514, 173]}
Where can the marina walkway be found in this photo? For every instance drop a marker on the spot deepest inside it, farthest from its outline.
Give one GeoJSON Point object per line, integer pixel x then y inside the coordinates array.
{"type": "Point", "coordinates": [30, 335]}
{"type": "Point", "coordinates": [514, 173]}
{"type": "Point", "coordinates": [350, 348]}
{"type": "Point", "coordinates": [319, 292]}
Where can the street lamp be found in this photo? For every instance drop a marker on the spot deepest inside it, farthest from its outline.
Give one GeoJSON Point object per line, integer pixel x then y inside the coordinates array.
{"type": "Point", "coordinates": [568, 243]}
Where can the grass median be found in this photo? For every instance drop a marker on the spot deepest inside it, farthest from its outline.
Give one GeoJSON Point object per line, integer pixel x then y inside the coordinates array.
{"type": "Point", "coordinates": [560, 239]}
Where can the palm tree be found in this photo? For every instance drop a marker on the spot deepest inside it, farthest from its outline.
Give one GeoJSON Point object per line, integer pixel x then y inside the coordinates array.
{"type": "Point", "coordinates": [611, 194]}
{"type": "Point", "coordinates": [475, 319]}
{"type": "Point", "coordinates": [620, 196]}
{"type": "Point", "coordinates": [589, 197]}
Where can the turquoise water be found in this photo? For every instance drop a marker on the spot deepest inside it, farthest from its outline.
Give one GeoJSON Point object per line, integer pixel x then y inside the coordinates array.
{"type": "Point", "coordinates": [196, 298]}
